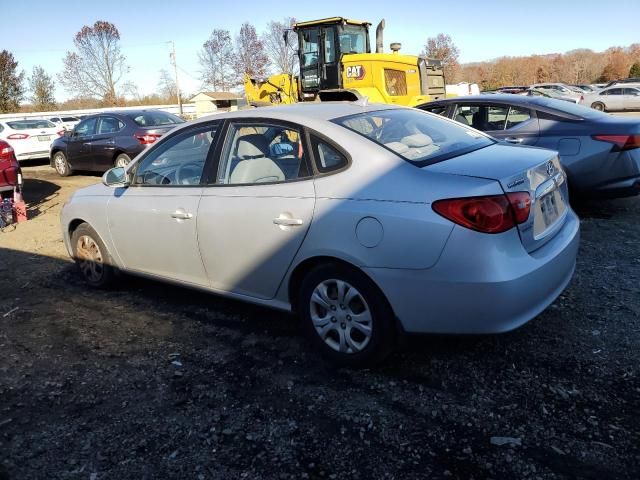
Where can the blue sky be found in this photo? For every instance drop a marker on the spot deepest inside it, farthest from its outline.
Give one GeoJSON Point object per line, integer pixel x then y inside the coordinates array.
{"type": "Point", "coordinates": [39, 34]}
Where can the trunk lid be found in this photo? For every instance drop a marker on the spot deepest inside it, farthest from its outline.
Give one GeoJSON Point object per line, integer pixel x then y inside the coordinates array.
{"type": "Point", "coordinates": [521, 169]}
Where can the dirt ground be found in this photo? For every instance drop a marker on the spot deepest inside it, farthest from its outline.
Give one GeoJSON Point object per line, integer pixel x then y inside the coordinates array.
{"type": "Point", "coordinates": [151, 381]}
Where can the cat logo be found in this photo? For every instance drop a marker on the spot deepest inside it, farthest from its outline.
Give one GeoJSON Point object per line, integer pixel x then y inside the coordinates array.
{"type": "Point", "coordinates": [356, 72]}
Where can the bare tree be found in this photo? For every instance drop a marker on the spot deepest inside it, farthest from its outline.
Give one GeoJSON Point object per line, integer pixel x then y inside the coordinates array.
{"type": "Point", "coordinates": [217, 61]}
{"type": "Point", "coordinates": [250, 55]}
{"type": "Point", "coordinates": [167, 87]}
{"type": "Point", "coordinates": [42, 88]}
{"type": "Point", "coordinates": [442, 48]}
{"type": "Point", "coordinates": [97, 65]}
{"type": "Point", "coordinates": [11, 89]}
{"type": "Point", "coordinates": [282, 55]}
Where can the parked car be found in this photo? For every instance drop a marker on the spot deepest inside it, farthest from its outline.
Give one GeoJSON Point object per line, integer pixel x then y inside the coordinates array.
{"type": "Point", "coordinates": [29, 138]}
{"type": "Point", "coordinates": [616, 98]}
{"type": "Point", "coordinates": [585, 88]}
{"type": "Point", "coordinates": [549, 93]}
{"type": "Point", "coordinates": [600, 152]}
{"type": "Point", "coordinates": [512, 89]}
{"type": "Point", "coordinates": [10, 173]}
{"type": "Point", "coordinates": [101, 141]}
{"type": "Point", "coordinates": [66, 122]}
{"type": "Point", "coordinates": [561, 88]}
{"type": "Point", "coordinates": [366, 220]}
{"type": "Point", "coordinates": [623, 81]}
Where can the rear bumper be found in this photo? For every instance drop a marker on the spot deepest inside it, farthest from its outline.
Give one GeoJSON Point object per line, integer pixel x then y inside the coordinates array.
{"type": "Point", "coordinates": [32, 155]}
{"type": "Point", "coordinates": [482, 283]}
{"type": "Point", "coordinates": [618, 175]}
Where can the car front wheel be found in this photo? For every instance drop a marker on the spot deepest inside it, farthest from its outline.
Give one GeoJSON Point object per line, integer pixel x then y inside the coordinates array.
{"type": "Point", "coordinates": [92, 257]}
{"type": "Point", "coordinates": [598, 106]}
{"type": "Point", "coordinates": [61, 164]}
{"type": "Point", "coordinates": [346, 316]}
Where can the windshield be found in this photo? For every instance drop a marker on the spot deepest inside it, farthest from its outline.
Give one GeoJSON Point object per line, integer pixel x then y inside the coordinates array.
{"type": "Point", "coordinates": [416, 136]}
{"type": "Point", "coordinates": [155, 119]}
{"type": "Point", "coordinates": [27, 124]}
{"type": "Point", "coordinates": [353, 39]}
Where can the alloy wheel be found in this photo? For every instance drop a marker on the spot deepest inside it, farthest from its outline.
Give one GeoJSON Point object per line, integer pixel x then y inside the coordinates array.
{"type": "Point", "coordinates": [341, 316]}
{"type": "Point", "coordinates": [89, 258]}
{"type": "Point", "coordinates": [60, 164]}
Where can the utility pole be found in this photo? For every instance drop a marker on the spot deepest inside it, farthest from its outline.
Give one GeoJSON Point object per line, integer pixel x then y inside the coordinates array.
{"type": "Point", "coordinates": [172, 56]}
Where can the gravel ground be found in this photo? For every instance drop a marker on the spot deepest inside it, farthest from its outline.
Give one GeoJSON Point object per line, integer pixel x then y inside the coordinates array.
{"type": "Point", "coordinates": [153, 381]}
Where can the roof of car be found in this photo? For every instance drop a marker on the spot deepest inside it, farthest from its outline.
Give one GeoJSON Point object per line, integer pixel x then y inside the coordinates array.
{"type": "Point", "coordinates": [303, 112]}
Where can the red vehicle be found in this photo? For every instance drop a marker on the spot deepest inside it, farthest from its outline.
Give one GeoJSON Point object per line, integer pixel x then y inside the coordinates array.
{"type": "Point", "coordinates": [10, 173]}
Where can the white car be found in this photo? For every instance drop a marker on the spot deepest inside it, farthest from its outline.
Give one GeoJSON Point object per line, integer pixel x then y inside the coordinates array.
{"type": "Point", "coordinates": [30, 138]}
{"type": "Point", "coordinates": [68, 122]}
{"type": "Point", "coordinates": [615, 98]}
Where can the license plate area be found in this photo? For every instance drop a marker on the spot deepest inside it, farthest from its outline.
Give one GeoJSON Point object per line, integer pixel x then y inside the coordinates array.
{"type": "Point", "coordinates": [549, 209]}
{"type": "Point", "coordinates": [44, 138]}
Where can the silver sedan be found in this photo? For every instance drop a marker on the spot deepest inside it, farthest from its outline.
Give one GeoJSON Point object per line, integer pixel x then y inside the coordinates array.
{"type": "Point", "coordinates": [369, 221]}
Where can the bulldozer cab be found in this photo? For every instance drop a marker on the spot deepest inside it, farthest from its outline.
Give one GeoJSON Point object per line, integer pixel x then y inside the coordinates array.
{"type": "Point", "coordinates": [321, 45]}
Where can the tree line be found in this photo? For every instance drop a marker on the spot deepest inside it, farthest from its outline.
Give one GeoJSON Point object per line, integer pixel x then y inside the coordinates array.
{"type": "Point", "coordinates": [94, 71]}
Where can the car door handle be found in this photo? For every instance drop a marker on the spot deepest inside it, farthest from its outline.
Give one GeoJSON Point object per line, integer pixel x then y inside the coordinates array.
{"type": "Point", "coordinates": [181, 215]}
{"type": "Point", "coordinates": [514, 139]}
{"type": "Point", "coordinates": [287, 222]}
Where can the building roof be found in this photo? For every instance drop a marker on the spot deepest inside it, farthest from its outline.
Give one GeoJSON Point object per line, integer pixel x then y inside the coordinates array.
{"type": "Point", "coordinates": [219, 96]}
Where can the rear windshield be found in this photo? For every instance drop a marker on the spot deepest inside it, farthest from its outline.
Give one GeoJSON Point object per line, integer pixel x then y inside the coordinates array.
{"type": "Point", "coordinates": [27, 124]}
{"type": "Point", "coordinates": [417, 136]}
{"type": "Point", "coordinates": [70, 119]}
{"type": "Point", "coordinates": [570, 108]}
{"type": "Point", "coordinates": [155, 119]}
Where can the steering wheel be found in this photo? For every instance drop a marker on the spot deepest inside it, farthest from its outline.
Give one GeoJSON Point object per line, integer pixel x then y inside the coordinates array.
{"type": "Point", "coordinates": [189, 173]}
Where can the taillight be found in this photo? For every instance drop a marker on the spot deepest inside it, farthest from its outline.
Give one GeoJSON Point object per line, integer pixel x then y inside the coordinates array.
{"type": "Point", "coordinates": [620, 142]}
{"type": "Point", "coordinates": [61, 133]}
{"type": "Point", "coordinates": [147, 138]}
{"type": "Point", "coordinates": [18, 136]}
{"type": "Point", "coordinates": [521, 205]}
{"type": "Point", "coordinates": [6, 152]}
{"type": "Point", "coordinates": [490, 214]}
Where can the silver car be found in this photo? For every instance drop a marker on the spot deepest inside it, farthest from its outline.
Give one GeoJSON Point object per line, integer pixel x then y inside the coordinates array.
{"type": "Point", "coordinates": [616, 98]}
{"type": "Point", "coordinates": [369, 221]}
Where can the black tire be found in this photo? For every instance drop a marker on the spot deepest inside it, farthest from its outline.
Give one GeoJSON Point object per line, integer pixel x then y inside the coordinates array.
{"type": "Point", "coordinates": [61, 164]}
{"type": "Point", "coordinates": [381, 340]}
{"type": "Point", "coordinates": [122, 160]}
{"type": "Point", "coordinates": [92, 257]}
{"type": "Point", "coordinates": [599, 106]}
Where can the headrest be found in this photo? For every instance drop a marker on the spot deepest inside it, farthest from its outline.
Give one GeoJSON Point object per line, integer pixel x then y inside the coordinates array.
{"type": "Point", "coordinates": [252, 146]}
{"type": "Point", "coordinates": [417, 140]}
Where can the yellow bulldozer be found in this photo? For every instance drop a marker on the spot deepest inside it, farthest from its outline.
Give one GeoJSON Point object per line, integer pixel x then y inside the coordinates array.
{"type": "Point", "coordinates": [336, 64]}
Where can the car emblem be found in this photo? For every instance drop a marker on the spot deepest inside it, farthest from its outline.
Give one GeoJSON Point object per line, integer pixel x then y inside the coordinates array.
{"type": "Point", "coordinates": [550, 168]}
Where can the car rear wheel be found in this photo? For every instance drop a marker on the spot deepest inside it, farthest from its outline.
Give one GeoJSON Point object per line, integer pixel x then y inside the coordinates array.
{"type": "Point", "coordinates": [122, 160]}
{"type": "Point", "coordinates": [598, 106]}
{"type": "Point", "coordinates": [346, 316]}
{"type": "Point", "coordinates": [61, 164]}
{"type": "Point", "coordinates": [92, 257]}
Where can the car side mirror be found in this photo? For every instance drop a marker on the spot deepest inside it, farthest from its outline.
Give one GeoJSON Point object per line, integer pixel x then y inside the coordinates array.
{"type": "Point", "coordinates": [68, 133]}
{"type": "Point", "coordinates": [116, 177]}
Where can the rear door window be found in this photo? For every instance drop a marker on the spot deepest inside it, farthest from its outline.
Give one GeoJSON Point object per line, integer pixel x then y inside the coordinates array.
{"type": "Point", "coordinates": [110, 125]}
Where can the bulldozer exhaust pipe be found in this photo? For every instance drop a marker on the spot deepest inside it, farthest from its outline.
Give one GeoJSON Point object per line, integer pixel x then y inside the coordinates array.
{"type": "Point", "coordinates": [379, 39]}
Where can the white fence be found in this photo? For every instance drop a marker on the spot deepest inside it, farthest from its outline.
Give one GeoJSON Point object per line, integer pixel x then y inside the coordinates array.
{"type": "Point", "coordinates": [189, 109]}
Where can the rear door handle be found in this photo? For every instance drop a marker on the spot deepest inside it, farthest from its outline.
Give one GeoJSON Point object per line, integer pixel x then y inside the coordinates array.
{"type": "Point", "coordinates": [287, 222]}
{"type": "Point", "coordinates": [180, 214]}
{"type": "Point", "coordinates": [514, 139]}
